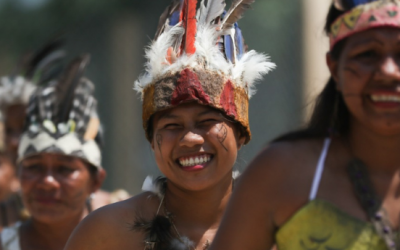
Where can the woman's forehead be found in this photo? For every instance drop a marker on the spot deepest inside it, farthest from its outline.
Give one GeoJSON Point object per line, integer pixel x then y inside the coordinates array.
{"type": "Point", "coordinates": [382, 36]}
{"type": "Point", "coordinates": [186, 110]}
{"type": "Point", "coordinates": [52, 156]}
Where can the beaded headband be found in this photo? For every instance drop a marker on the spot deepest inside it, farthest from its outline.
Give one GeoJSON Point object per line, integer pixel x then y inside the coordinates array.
{"type": "Point", "coordinates": [382, 13]}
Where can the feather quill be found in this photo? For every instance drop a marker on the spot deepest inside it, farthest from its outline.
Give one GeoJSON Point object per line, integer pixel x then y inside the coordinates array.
{"type": "Point", "coordinates": [65, 89]}
{"type": "Point", "coordinates": [168, 18]}
{"type": "Point", "coordinates": [208, 13]}
{"type": "Point", "coordinates": [189, 23]}
{"type": "Point", "coordinates": [235, 13]}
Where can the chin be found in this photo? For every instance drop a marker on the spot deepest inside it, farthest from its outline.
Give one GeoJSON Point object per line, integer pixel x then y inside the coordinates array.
{"type": "Point", "coordinates": [48, 217]}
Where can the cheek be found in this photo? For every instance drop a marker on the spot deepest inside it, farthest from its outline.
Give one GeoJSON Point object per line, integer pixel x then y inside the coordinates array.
{"type": "Point", "coordinates": [164, 143]}
{"type": "Point", "coordinates": [223, 137]}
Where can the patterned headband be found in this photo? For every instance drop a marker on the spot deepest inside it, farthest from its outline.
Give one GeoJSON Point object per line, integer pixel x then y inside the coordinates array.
{"type": "Point", "coordinates": [382, 13]}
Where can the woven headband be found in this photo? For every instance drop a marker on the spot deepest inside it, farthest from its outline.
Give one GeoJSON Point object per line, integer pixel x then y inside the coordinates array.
{"type": "Point", "coordinates": [383, 13]}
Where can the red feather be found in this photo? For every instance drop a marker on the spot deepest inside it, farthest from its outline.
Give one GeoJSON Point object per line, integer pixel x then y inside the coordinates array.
{"type": "Point", "coordinates": [189, 22]}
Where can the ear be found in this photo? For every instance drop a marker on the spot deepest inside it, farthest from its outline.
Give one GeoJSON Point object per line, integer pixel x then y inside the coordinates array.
{"type": "Point", "coordinates": [333, 68]}
{"type": "Point", "coordinates": [99, 179]}
{"type": "Point", "coordinates": [152, 144]}
{"type": "Point", "coordinates": [240, 141]}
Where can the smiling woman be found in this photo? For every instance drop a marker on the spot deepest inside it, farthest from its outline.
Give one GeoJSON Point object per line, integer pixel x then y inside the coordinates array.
{"type": "Point", "coordinates": [334, 184]}
{"type": "Point", "coordinates": [196, 91]}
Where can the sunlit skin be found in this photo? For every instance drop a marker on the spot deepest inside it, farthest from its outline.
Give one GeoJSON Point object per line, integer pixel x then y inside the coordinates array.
{"type": "Point", "coordinates": [194, 130]}
{"type": "Point", "coordinates": [14, 127]}
{"type": "Point", "coordinates": [370, 66]}
{"type": "Point", "coordinates": [54, 189]}
{"type": "Point", "coordinates": [277, 183]}
{"type": "Point", "coordinates": [196, 195]}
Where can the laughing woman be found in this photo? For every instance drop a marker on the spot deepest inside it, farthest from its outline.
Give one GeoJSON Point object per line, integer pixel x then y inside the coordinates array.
{"type": "Point", "coordinates": [59, 162]}
{"type": "Point", "coordinates": [313, 191]}
{"type": "Point", "coordinates": [195, 115]}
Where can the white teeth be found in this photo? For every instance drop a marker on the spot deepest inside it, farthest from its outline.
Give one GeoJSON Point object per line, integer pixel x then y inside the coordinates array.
{"type": "Point", "coordinates": [385, 98]}
{"type": "Point", "coordinates": [193, 161]}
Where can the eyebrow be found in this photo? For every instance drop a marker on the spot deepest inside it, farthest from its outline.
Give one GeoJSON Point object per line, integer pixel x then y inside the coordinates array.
{"type": "Point", "coordinates": [367, 41]}
{"type": "Point", "coordinates": [167, 115]}
{"type": "Point", "coordinates": [65, 158]}
{"type": "Point", "coordinates": [208, 111]}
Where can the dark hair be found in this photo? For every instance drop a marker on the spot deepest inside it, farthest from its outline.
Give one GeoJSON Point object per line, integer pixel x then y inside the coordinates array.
{"type": "Point", "coordinates": [330, 113]}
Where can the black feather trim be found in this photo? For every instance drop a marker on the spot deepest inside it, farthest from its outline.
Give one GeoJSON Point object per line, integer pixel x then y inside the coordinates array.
{"type": "Point", "coordinates": [157, 231]}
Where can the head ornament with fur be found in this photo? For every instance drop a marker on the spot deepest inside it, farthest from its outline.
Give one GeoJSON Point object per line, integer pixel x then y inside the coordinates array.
{"type": "Point", "coordinates": [200, 56]}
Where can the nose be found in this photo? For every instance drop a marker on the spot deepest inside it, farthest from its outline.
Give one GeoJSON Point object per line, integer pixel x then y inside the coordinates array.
{"type": "Point", "coordinates": [389, 69]}
{"type": "Point", "coordinates": [191, 139]}
{"type": "Point", "coordinates": [48, 181]}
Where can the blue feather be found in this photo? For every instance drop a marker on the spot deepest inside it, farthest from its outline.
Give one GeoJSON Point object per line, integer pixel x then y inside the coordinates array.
{"type": "Point", "coordinates": [349, 4]}
{"type": "Point", "coordinates": [229, 48]}
{"type": "Point", "coordinates": [239, 41]}
{"type": "Point", "coordinates": [175, 16]}
{"type": "Point", "coordinates": [174, 19]}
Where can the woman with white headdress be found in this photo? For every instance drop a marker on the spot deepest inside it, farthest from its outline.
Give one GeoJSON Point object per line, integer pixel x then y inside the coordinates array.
{"type": "Point", "coordinates": [59, 160]}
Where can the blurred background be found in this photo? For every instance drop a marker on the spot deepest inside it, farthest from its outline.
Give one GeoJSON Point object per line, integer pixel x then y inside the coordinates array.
{"type": "Point", "coordinates": [115, 32]}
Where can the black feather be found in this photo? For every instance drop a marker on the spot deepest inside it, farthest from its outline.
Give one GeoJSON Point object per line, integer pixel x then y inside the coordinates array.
{"type": "Point", "coordinates": [158, 232]}
{"type": "Point", "coordinates": [65, 89]}
{"type": "Point", "coordinates": [41, 54]}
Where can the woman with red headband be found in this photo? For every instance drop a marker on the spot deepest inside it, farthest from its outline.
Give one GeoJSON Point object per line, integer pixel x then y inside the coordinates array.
{"type": "Point", "coordinates": [315, 189]}
{"type": "Point", "coordinates": [196, 92]}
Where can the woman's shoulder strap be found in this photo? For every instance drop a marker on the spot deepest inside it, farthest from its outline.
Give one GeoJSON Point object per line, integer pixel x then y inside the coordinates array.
{"type": "Point", "coordinates": [319, 170]}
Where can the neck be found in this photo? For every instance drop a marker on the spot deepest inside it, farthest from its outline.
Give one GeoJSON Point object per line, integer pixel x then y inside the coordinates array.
{"type": "Point", "coordinates": [379, 152]}
{"type": "Point", "coordinates": [53, 235]}
{"type": "Point", "coordinates": [201, 208]}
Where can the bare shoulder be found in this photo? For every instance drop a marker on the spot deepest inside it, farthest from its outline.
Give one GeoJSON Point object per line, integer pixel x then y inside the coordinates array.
{"type": "Point", "coordinates": [286, 158]}
{"type": "Point", "coordinates": [111, 227]}
{"type": "Point", "coordinates": [280, 176]}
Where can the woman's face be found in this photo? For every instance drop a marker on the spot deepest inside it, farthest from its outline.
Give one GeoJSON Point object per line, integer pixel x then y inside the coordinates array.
{"type": "Point", "coordinates": [195, 146]}
{"type": "Point", "coordinates": [368, 75]}
{"type": "Point", "coordinates": [55, 187]}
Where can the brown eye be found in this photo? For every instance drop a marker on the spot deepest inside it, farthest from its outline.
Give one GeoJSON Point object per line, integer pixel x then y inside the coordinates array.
{"type": "Point", "coordinates": [369, 54]}
{"type": "Point", "coordinates": [171, 126]}
{"type": "Point", "coordinates": [65, 170]}
{"type": "Point", "coordinates": [34, 168]}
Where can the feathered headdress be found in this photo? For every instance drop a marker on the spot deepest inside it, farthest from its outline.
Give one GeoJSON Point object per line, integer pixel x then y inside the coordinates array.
{"type": "Point", "coordinates": [201, 57]}
{"type": "Point", "coordinates": [62, 117]}
{"type": "Point", "coordinates": [33, 69]}
{"type": "Point", "coordinates": [362, 15]}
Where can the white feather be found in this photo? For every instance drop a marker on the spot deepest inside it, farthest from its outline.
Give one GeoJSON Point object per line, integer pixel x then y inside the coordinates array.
{"type": "Point", "coordinates": [251, 68]}
{"type": "Point", "coordinates": [156, 56]}
{"type": "Point", "coordinates": [15, 91]}
{"type": "Point", "coordinates": [184, 243]}
{"type": "Point", "coordinates": [208, 51]}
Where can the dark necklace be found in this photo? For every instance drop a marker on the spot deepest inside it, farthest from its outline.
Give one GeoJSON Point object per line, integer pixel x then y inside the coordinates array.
{"type": "Point", "coordinates": [372, 204]}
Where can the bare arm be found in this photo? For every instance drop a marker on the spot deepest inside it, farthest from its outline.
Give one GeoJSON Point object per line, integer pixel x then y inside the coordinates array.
{"type": "Point", "coordinates": [268, 193]}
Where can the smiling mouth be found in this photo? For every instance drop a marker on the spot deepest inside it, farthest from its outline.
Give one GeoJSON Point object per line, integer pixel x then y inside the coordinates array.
{"type": "Point", "coordinates": [385, 98]}
{"type": "Point", "coordinates": [192, 161]}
